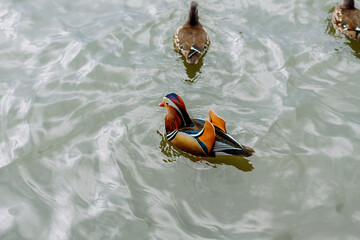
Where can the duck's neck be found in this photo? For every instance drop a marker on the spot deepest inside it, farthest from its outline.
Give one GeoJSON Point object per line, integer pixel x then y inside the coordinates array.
{"type": "Point", "coordinates": [348, 4]}
{"type": "Point", "coordinates": [172, 120]}
{"type": "Point", "coordinates": [193, 18]}
{"type": "Point", "coordinates": [175, 120]}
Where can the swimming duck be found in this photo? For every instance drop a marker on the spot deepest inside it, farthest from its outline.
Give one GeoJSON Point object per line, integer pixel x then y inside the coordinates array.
{"type": "Point", "coordinates": [196, 136]}
{"type": "Point", "coordinates": [191, 39]}
{"type": "Point", "coordinates": [346, 18]}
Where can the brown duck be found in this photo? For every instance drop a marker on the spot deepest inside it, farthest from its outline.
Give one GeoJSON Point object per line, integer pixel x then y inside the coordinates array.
{"type": "Point", "coordinates": [346, 19]}
{"type": "Point", "coordinates": [191, 39]}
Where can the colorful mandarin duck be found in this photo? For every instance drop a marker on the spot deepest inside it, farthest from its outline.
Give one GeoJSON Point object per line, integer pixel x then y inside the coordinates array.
{"type": "Point", "coordinates": [346, 19]}
{"type": "Point", "coordinates": [191, 39]}
{"type": "Point", "coordinates": [196, 136]}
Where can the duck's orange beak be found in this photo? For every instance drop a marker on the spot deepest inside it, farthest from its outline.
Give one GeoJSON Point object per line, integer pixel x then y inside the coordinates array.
{"type": "Point", "coordinates": [161, 105]}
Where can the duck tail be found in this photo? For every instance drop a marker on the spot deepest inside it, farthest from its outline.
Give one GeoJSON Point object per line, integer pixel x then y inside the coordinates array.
{"type": "Point", "coordinates": [247, 151]}
{"type": "Point", "coordinates": [223, 148]}
{"type": "Point", "coordinates": [193, 14]}
{"type": "Point", "coordinates": [348, 4]}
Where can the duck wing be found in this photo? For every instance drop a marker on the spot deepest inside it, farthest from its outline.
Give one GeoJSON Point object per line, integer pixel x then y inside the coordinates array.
{"type": "Point", "coordinates": [224, 143]}
{"type": "Point", "coordinates": [197, 140]}
{"type": "Point", "coordinates": [227, 145]}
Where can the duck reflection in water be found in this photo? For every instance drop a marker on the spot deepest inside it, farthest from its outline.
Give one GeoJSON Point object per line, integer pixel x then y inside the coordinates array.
{"type": "Point", "coordinates": [355, 46]}
{"type": "Point", "coordinates": [193, 71]}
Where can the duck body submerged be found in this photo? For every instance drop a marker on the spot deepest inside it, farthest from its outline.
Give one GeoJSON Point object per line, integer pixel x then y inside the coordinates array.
{"type": "Point", "coordinates": [346, 19]}
{"type": "Point", "coordinates": [207, 138]}
{"type": "Point", "coordinates": [191, 39]}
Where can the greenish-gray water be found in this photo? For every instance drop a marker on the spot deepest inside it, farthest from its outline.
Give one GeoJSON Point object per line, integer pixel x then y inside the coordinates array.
{"type": "Point", "coordinates": [82, 147]}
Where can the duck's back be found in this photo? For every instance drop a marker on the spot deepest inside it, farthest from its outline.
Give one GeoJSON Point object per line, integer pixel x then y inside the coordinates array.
{"type": "Point", "coordinates": [351, 17]}
{"type": "Point", "coordinates": [188, 35]}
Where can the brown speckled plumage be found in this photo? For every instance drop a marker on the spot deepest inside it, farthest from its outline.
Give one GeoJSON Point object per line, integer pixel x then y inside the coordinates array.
{"type": "Point", "coordinates": [346, 14]}
{"type": "Point", "coordinates": [190, 33]}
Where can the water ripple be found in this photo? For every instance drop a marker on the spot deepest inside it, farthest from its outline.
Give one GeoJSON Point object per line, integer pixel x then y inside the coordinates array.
{"type": "Point", "coordinates": [83, 153]}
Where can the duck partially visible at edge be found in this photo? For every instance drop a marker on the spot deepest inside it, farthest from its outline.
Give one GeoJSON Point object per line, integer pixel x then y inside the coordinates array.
{"type": "Point", "coordinates": [346, 19]}
{"type": "Point", "coordinates": [196, 136]}
{"type": "Point", "coordinates": [191, 39]}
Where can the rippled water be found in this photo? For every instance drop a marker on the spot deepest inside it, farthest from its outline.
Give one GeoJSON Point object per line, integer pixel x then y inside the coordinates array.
{"type": "Point", "coordinates": [82, 147]}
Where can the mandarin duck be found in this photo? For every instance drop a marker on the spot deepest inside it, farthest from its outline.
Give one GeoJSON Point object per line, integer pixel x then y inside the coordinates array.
{"type": "Point", "coordinates": [206, 138]}
{"type": "Point", "coordinates": [346, 19]}
{"type": "Point", "coordinates": [191, 39]}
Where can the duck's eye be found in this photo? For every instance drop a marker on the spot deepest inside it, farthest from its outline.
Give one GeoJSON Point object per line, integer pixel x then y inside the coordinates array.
{"type": "Point", "coordinates": [167, 103]}
{"type": "Point", "coordinates": [181, 47]}
{"type": "Point", "coordinates": [345, 27]}
{"type": "Point", "coordinates": [204, 46]}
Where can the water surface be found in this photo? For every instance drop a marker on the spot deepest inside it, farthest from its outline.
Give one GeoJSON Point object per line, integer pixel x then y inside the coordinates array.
{"type": "Point", "coordinates": [82, 148]}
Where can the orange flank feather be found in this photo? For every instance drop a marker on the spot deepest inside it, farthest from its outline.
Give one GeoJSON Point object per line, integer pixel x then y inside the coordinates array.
{"type": "Point", "coordinates": [208, 136]}
{"type": "Point", "coordinates": [216, 120]}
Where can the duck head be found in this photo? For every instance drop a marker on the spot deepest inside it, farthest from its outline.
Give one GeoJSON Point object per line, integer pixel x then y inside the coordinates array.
{"type": "Point", "coordinates": [176, 114]}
